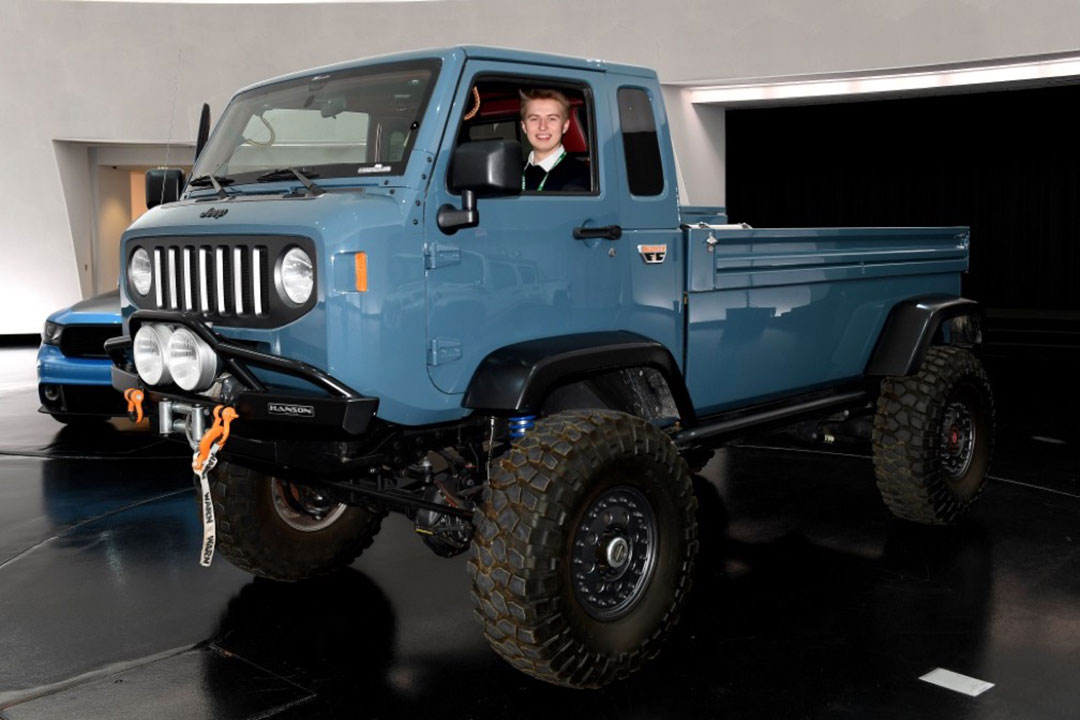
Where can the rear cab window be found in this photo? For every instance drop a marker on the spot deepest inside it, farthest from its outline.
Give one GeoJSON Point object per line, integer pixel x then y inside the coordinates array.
{"type": "Point", "coordinates": [644, 170]}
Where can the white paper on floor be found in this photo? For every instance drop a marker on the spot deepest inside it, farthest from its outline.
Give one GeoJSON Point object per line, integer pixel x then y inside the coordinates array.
{"type": "Point", "coordinates": [956, 682]}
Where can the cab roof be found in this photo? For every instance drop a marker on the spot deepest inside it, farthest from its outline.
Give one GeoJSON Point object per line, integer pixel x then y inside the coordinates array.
{"type": "Point", "coordinates": [482, 52]}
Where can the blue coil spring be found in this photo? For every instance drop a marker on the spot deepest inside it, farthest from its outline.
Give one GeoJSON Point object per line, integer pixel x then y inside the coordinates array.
{"type": "Point", "coordinates": [519, 425]}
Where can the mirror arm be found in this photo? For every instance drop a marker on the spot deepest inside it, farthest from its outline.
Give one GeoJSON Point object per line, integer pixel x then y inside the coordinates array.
{"type": "Point", "coordinates": [451, 219]}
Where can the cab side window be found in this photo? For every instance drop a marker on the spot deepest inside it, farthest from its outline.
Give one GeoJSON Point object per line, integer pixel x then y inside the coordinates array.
{"type": "Point", "coordinates": [493, 111]}
{"type": "Point", "coordinates": [644, 172]}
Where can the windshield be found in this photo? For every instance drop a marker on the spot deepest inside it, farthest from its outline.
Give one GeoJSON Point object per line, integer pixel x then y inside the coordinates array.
{"type": "Point", "coordinates": [347, 123]}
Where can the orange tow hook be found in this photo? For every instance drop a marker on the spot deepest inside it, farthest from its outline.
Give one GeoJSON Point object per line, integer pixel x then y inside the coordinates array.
{"type": "Point", "coordinates": [215, 436]}
{"type": "Point", "coordinates": [134, 397]}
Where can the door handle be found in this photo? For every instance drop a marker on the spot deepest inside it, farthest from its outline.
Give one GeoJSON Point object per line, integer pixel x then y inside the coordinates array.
{"type": "Point", "coordinates": [610, 232]}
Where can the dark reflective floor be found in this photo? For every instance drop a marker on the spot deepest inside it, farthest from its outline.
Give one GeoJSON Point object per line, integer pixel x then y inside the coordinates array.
{"type": "Point", "coordinates": [811, 602]}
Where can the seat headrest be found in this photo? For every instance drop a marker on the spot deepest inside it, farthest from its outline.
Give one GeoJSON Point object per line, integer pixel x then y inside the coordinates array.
{"type": "Point", "coordinates": [574, 139]}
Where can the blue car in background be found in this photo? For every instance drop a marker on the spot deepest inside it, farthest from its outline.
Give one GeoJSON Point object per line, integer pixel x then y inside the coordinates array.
{"type": "Point", "coordinates": [74, 382]}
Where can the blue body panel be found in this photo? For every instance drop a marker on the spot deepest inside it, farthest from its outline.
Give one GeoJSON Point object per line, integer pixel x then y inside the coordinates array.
{"type": "Point", "coordinates": [771, 311]}
{"type": "Point", "coordinates": [56, 368]}
{"type": "Point", "coordinates": [522, 275]}
{"type": "Point", "coordinates": [750, 315]}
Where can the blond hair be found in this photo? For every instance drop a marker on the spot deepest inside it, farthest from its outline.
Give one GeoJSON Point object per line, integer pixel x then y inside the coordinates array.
{"type": "Point", "coordinates": [544, 94]}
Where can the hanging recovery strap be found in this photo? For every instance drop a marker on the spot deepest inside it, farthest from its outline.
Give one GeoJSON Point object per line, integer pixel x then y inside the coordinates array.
{"type": "Point", "coordinates": [202, 463]}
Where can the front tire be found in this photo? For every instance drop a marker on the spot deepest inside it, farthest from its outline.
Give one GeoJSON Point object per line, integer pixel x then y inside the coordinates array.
{"type": "Point", "coordinates": [584, 548]}
{"type": "Point", "coordinates": [934, 437]}
{"type": "Point", "coordinates": [277, 529]}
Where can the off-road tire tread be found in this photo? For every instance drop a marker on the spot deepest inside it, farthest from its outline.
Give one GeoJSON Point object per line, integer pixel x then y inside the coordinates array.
{"type": "Point", "coordinates": [906, 437]}
{"type": "Point", "coordinates": [243, 537]}
{"type": "Point", "coordinates": [515, 563]}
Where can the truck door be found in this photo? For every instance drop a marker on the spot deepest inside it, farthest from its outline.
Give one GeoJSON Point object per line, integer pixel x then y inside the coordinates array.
{"type": "Point", "coordinates": [521, 274]}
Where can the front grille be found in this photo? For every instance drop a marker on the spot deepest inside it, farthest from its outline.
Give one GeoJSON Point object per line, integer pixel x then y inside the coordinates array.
{"type": "Point", "coordinates": [228, 281]}
{"type": "Point", "coordinates": [224, 280]}
{"type": "Point", "coordinates": [87, 340]}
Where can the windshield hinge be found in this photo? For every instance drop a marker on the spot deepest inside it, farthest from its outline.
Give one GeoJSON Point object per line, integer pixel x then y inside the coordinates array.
{"type": "Point", "coordinates": [443, 350]}
{"type": "Point", "coordinates": [436, 255]}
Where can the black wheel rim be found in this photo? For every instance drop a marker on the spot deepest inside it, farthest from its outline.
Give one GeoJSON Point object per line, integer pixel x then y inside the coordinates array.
{"type": "Point", "coordinates": [958, 436]}
{"type": "Point", "coordinates": [303, 508]}
{"type": "Point", "coordinates": [614, 552]}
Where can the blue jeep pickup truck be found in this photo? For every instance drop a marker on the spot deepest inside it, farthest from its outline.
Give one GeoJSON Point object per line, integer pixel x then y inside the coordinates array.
{"type": "Point", "coordinates": [530, 376]}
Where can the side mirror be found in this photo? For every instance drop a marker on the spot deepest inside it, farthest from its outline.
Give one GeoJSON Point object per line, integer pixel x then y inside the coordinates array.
{"type": "Point", "coordinates": [485, 168]}
{"type": "Point", "coordinates": [204, 131]}
{"type": "Point", "coordinates": [163, 185]}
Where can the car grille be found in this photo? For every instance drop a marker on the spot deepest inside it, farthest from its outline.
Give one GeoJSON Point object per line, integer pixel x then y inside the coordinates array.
{"type": "Point", "coordinates": [228, 281]}
{"type": "Point", "coordinates": [211, 279]}
{"type": "Point", "coordinates": [87, 340]}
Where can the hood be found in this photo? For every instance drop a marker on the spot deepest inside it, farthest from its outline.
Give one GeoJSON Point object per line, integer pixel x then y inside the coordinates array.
{"type": "Point", "coordinates": [330, 219]}
{"type": "Point", "coordinates": [97, 310]}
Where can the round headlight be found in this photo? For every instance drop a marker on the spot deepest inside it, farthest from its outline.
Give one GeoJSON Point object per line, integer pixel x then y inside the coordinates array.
{"type": "Point", "coordinates": [297, 276]}
{"type": "Point", "coordinates": [192, 364]}
{"type": "Point", "coordinates": [140, 272]}
{"type": "Point", "coordinates": [149, 349]}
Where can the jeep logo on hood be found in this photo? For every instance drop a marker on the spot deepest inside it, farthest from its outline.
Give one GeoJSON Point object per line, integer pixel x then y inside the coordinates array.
{"type": "Point", "coordinates": [306, 411]}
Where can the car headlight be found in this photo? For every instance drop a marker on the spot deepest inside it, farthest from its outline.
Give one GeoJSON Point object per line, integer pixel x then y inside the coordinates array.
{"type": "Point", "coordinates": [191, 362]}
{"type": "Point", "coordinates": [151, 344]}
{"type": "Point", "coordinates": [140, 271]}
{"type": "Point", "coordinates": [51, 334]}
{"type": "Point", "coordinates": [296, 276]}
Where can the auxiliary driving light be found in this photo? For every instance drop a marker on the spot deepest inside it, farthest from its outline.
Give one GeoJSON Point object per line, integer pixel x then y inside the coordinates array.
{"type": "Point", "coordinates": [151, 343]}
{"type": "Point", "coordinates": [191, 362]}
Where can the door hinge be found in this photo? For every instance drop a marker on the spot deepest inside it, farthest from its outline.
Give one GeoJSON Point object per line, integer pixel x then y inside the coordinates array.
{"type": "Point", "coordinates": [436, 255]}
{"type": "Point", "coordinates": [442, 351]}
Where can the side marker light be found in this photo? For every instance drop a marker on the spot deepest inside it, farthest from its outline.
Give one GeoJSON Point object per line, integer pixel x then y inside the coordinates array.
{"type": "Point", "coordinates": [361, 272]}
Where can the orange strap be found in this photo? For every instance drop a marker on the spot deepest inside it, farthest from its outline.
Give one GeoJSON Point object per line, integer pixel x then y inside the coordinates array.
{"type": "Point", "coordinates": [134, 397]}
{"type": "Point", "coordinates": [216, 435]}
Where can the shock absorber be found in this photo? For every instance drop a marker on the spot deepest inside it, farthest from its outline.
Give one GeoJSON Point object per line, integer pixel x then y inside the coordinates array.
{"type": "Point", "coordinates": [521, 424]}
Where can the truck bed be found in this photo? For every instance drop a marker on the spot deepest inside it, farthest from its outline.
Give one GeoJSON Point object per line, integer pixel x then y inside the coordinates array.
{"type": "Point", "coordinates": [777, 311]}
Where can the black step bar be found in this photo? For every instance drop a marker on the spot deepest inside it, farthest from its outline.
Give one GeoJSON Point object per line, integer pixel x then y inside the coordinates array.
{"type": "Point", "coordinates": [716, 429]}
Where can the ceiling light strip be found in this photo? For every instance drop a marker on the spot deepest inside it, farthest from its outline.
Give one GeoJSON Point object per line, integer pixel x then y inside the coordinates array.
{"type": "Point", "coordinates": [898, 82]}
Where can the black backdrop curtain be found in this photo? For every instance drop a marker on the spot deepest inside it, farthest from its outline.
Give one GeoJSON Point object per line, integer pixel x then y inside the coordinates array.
{"type": "Point", "coordinates": [1006, 163]}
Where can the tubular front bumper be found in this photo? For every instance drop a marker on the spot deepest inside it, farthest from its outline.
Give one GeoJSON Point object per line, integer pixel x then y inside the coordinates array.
{"type": "Point", "coordinates": [341, 410]}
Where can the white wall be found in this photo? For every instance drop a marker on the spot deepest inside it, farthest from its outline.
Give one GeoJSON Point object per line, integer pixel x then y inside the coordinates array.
{"type": "Point", "coordinates": [76, 75]}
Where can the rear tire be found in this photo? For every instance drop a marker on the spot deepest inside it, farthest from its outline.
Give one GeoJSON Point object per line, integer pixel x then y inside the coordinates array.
{"type": "Point", "coordinates": [934, 437]}
{"type": "Point", "coordinates": [266, 526]}
{"type": "Point", "coordinates": [584, 548]}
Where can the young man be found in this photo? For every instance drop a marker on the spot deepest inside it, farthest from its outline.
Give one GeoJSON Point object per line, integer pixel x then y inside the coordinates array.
{"type": "Point", "coordinates": [545, 118]}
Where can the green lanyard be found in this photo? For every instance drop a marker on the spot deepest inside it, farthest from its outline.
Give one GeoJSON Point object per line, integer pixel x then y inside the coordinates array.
{"type": "Point", "coordinates": [542, 182]}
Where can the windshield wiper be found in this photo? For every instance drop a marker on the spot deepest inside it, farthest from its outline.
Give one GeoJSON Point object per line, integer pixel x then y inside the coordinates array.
{"type": "Point", "coordinates": [286, 173]}
{"type": "Point", "coordinates": [217, 182]}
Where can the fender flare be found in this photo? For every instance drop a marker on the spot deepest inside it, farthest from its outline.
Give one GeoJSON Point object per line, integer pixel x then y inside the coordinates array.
{"type": "Point", "coordinates": [910, 329]}
{"type": "Point", "coordinates": [517, 378]}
